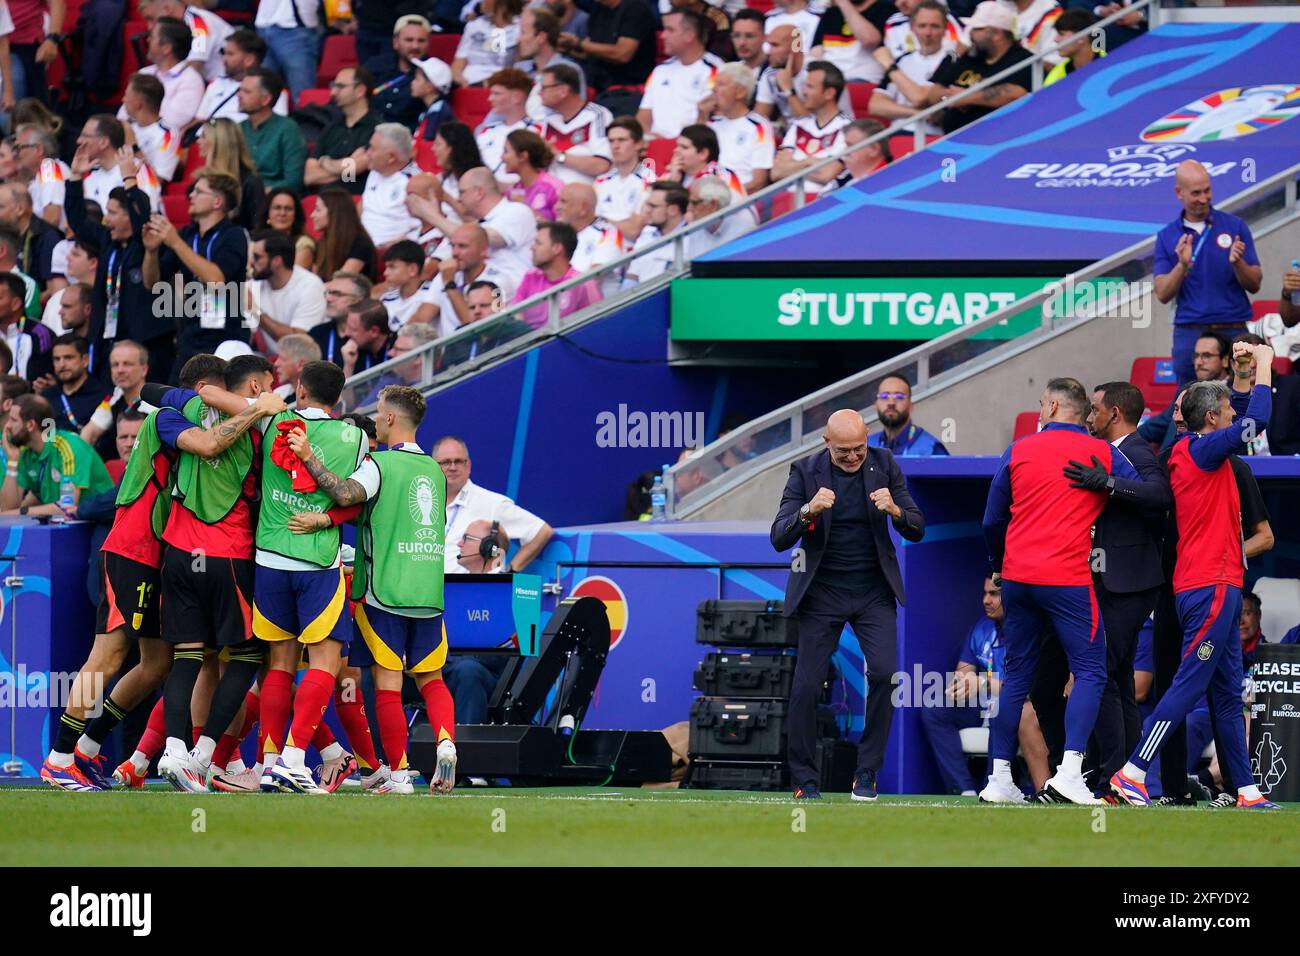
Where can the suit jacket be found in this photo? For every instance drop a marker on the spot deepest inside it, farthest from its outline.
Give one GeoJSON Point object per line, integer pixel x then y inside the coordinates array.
{"type": "Point", "coordinates": [1130, 530]}
{"type": "Point", "coordinates": [880, 470]}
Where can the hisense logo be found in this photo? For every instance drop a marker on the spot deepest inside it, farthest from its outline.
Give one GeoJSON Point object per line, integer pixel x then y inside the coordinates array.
{"type": "Point", "coordinates": [76, 909]}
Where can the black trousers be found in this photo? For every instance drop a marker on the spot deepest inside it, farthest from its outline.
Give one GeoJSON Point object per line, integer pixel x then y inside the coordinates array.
{"type": "Point", "coordinates": [1119, 725]}
{"type": "Point", "coordinates": [873, 614]}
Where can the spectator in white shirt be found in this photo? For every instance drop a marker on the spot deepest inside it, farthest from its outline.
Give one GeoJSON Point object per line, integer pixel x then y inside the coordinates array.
{"type": "Point", "coordinates": [1035, 25]}
{"type": "Point", "coordinates": [621, 193]}
{"type": "Point", "coordinates": [408, 298]}
{"type": "Point", "coordinates": [794, 13]}
{"type": "Point", "coordinates": [674, 89]}
{"type": "Point", "coordinates": [510, 226]}
{"type": "Point", "coordinates": [665, 212]}
{"type": "Point", "coordinates": [599, 242]}
{"type": "Point", "coordinates": [746, 141]}
{"type": "Point", "coordinates": [819, 134]}
{"type": "Point", "coordinates": [101, 137]}
{"type": "Point", "coordinates": [160, 146]}
{"type": "Point", "coordinates": [508, 92]}
{"type": "Point", "coordinates": [288, 297]}
{"type": "Point", "coordinates": [539, 32]}
{"type": "Point", "coordinates": [207, 33]}
{"type": "Point", "coordinates": [38, 160]}
{"type": "Point", "coordinates": [848, 32]}
{"type": "Point", "coordinates": [574, 128]}
{"type": "Point", "coordinates": [467, 264]}
{"type": "Point", "coordinates": [242, 52]}
{"type": "Point", "coordinates": [490, 42]}
{"type": "Point", "coordinates": [708, 195]}
{"type": "Point", "coordinates": [169, 45]}
{"type": "Point", "coordinates": [384, 211]}
{"type": "Point", "coordinates": [898, 29]}
{"type": "Point", "coordinates": [861, 163]}
{"type": "Point", "coordinates": [467, 503]}
{"type": "Point", "coordinates": [83, 262]}
{"type": "Point", "coordinates": [927, 34]}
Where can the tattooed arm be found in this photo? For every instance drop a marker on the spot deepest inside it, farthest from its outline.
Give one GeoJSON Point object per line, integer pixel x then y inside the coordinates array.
{"type": "Point", "coordinates": [211, 442]}
{"type": "Point", "coordinates": [344, 491]}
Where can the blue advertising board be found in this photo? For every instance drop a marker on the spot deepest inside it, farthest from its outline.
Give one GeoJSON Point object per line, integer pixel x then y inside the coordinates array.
{"type": "Point", "coordinates": [1072, 174]}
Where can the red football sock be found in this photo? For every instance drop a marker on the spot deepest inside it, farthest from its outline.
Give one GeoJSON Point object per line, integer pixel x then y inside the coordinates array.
{"type": "Point", "coordinates": [392, 726]}
{"type": "Point", "coordinates": [276, 695]}
{"type": "Point", "coordinates": [197, 733]}
{"type": "Point", "coordinates": [440, 708]}
{"type": "Point", "coordinates": [323, 736]}
{"type": "Point", "coordinates": [229, 743]}
{"type": "Point", "coordinates": [155, 733]}
{"type": "Point", "coordinates": [309, 705]}
{"type": "Point", "coordinates": [352, 715]}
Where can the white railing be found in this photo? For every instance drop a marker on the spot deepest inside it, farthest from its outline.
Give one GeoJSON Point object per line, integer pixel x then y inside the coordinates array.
{"type": "Point", "coordinates": [788, 432]}
{"type": "Point", "coordinates": [505, 327]}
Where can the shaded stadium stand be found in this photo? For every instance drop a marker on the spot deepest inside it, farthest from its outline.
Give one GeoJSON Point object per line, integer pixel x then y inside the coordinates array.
{"type": "Point", "coordinates": [1155, 377]}
{"type": "Point", "coordinates": [340, 51]}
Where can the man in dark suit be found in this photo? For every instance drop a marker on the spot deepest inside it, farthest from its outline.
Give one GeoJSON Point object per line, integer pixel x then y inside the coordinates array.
{"type": "Point", "coordinates": [1127, 572]}
{"type": "Point", "coordinates": [845, 571]}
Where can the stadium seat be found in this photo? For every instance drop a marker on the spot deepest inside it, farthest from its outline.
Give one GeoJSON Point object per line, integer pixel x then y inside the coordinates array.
{"type": "Point", "coordinates": [470, 104]}
{"type": "Point", "coordinates": [762, 6]}
{"type": "Point", "coordinates": [1155, 376]}
{"type": "Point", "coordinates": [860, 98]}
{"type": "Point", "coordinates": [1026, 424]}
{"type": "Point", "coordinates": [905, 143]}
{"type": "Point", "coordinates": [659, 152]}
{"type": "Point", "coordinates": [130, 60]}
{"type": "Point", "coordinates": [1282, 366]}
{"type": "Point", "coordinates": [177, 209]}
{"type": "Point", "coordinates": [314, 97]}
{"type": "Point", "coordinates": [424, 157]}
{"type": "Point", "coordinates": [443, 46]}
{"type": "Point", "coordinates": [1264, 307]}
{"type": "Point", "coordinates": [340, 51]}
{"type": "Point", "coordinates": [1279, 605]}
{"type": "Point", "coordinates": [782, 203]}
{"type": "Point", "coordinates": [975, 740]}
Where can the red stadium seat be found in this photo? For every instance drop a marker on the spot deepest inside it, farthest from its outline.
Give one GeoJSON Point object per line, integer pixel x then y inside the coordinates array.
{"type": "Point", "coordinates": [905, 143]}
{"type": "Point", "coordinates": [762, 6]}
{"type": "Point", "coordinates": [660, 153]}
{"type": "Point", "coordinates": [470, 104]}
{"type": "Point", "coordinates": [130, 61]}
{"type": "Point", "coordinates": [1026, 424]}
{"type": "Point", "coordinates": [782, 203]}
{"type": "Point", "coordinates": [424, 157]}
{"type": "Point", "coordinates": [177, 209]}
{"type": "Point", "coordinates": [1263, 307]}
{"type": "Point", "coordinates": [1144, 374]}
{"type": "Point", "coordinates": [340, 51]}
{"type": "Point", "coordinates": [442, 46]}
{"type": "Point", "coordinates": [860, 98]}
{"type": "Point", "coordinates": [314, 97]}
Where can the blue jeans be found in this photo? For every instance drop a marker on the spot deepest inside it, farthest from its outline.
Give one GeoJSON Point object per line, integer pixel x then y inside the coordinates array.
{"type": "Point", "coordinates": [293, 53]}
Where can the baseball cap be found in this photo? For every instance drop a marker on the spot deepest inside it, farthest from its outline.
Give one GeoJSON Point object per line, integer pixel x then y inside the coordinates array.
{"type": "Point", "coordinates": [990, 13]}
{"type": "Point", "coordinates": [437, 73]}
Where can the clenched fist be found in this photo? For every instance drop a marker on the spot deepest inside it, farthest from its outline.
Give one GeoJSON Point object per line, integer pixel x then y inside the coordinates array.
{"type": "Point", "coordinates": [824, 500]}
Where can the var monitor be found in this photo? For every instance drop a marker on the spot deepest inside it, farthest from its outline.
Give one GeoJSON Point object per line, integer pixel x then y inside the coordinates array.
{"type": "Point", "coordinates": [493, 613]}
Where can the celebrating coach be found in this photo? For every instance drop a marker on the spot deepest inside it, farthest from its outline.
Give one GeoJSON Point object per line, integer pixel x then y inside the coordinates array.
{"type": "Point", "coordinates": [834, 506]}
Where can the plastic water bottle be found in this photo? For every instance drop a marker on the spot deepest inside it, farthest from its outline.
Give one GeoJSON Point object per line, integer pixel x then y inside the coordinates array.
{"type": "Point", "coordinates": [659, 496]}
{"type": "Point", "coordinates": [67, 500]}
{"type": "Point", "coordinates": [1295, 296]}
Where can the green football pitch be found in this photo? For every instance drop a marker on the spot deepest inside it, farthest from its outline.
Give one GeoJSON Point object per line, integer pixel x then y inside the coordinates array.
{"type": "Point", "coordinates": [618, 827]}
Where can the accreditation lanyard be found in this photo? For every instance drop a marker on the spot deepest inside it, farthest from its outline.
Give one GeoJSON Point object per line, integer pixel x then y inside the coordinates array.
{"type": "Point", "coordinates": [114, 290]}
{"type": "Point", "coordinates": [67, 410]}
{"type": "Point", "coordinates": [1196, 249]}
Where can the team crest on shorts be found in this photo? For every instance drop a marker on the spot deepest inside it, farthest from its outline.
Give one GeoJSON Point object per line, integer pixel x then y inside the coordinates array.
{"type": "Point", "coordinates": [1204, 651]}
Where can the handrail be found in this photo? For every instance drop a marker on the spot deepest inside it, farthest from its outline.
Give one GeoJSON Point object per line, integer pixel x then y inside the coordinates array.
{"type": "Point", "coordinates": [920, 356]}
{"type": "Point", "coordinates": [680, 236]}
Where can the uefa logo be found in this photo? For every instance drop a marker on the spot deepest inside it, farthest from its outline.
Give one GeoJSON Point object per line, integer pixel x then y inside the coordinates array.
{"type": "Point", "coordinates": [1227, 114]}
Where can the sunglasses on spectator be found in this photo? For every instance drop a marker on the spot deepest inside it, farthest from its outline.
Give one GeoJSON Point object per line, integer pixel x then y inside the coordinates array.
{"type": "Point", "coordinates": [886, 396]}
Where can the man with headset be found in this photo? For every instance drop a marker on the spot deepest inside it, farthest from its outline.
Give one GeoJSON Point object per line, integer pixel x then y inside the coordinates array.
{"type": "Point", "coordinates": [471, 678]}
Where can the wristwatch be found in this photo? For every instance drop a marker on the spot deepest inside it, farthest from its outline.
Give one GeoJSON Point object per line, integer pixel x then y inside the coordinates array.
{"type": "Point", "coordinates": [1110, 485]}
{"type": "Point", "coordinates": [804, 515]}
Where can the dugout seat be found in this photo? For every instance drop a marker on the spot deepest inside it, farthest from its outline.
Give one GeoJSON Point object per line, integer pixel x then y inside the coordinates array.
{"type": "Point", "coordinates": [1264, 307]}
{"type": "Point", "coordinates": [1154, 375]}
{"type": "Point", "coordinates": [974, 741]}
